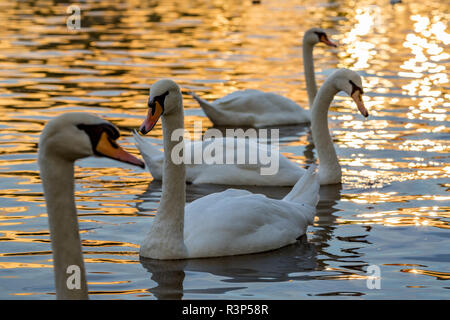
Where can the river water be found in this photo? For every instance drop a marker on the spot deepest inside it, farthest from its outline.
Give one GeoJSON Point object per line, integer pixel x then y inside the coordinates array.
{"type": "Point", "coordinates": [391, 213]}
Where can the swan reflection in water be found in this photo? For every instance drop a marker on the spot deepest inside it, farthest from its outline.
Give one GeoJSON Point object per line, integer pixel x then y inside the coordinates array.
{"type": "Point", "coordinates": [272, 266]}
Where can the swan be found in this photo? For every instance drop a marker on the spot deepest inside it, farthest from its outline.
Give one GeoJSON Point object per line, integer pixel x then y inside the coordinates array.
{"type": "Point", "coordinates": [65, 139]}
{"type": "Point", "coordinates": [288, 172]}
{"type": "Point", "coordinates": [255, 108]}
{"type": "Point", "coordinates": [231, 222]}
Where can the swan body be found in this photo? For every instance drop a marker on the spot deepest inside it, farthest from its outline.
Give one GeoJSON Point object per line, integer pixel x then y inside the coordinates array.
{"type": "Point", "coordinates": [65, 139]}
{"type": "Point", "coordinates": [231, 222]}
{"type": "Point", "coordinates": [240, 222]}
{"type": "Point", "coordinates": [287, 174]}
{"type": "Point", "coordinates": [255, 108]}
{"type": "Point", "coordinates": [235, 222]}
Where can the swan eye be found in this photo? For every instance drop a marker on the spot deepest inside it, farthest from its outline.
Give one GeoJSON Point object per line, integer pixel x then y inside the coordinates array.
{"type": "Point", "coordinates": [355, 87]}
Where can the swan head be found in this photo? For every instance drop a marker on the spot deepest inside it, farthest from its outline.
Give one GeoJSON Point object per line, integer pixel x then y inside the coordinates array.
{"type": "Point", "coordinates": [77, 135]}
{"type": "Point", "coordinates": [316, 35]}
{"type": "Point", "coordinates": [165, 98]}
{"type": "Point", "coordinates": [350, 82]}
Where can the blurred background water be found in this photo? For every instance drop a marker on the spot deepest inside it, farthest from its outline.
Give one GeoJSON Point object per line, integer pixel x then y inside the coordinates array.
{"type": "Point", "coordinates": [391, 211]}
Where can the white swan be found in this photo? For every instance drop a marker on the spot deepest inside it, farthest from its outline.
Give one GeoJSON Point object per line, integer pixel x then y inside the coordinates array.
{"type": "Point", "coordinates": [65, 139]}
{"type": "Point", "coordinates": [250, 174]}
{"type": "Point", "coordinates": [231, 222]}
{"type": "Point", "coordinates": [255, 108]}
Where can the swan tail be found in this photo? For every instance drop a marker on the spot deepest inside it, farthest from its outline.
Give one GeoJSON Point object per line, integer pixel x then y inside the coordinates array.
{"type": "Point", "coordinates": [196, 97]}
{"type": "Point", "coordinates": [202, 102]}
{"type": "Point", "coordinates": [211, 112]}
{"type": "Point", "coordinates": [306, 190]}
{"type": "Point", "coordinates": [148, 151]}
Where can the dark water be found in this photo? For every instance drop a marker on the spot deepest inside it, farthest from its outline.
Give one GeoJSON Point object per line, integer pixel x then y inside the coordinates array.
{"type": "Point", "coordinates": [392, 210]}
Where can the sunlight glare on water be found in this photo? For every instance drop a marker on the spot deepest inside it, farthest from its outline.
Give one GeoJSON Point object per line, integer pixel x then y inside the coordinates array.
{"type": "Point", "coordinates": [392, 209]}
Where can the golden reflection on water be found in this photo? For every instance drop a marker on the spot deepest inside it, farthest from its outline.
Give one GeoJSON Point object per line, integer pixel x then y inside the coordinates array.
{"type": "Point", "coordinates": [429, 76]}
{"type": "Point", "coordinates": [216, 48]}
{"type": "Point", "coordinates": [360, 51]}
{"type": "Point", "coordinates": [438, 275]}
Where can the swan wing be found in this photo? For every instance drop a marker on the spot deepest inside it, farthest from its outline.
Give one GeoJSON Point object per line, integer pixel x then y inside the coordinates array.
{"type": "Point", "coordinates": [265, 108]}
{"type": "Point", "coordinates": [219, 172]}
{"type": "Point", "coordinates": [256, 101]}
{"type": "Point", "coordinates": [239, 222]}
{"type": "Point", "coordinates": [253, 108]}
{"type": "Point", "coordinates": [246, 168]}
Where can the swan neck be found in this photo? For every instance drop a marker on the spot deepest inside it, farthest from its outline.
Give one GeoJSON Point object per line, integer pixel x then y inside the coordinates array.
{"type": "Point", "coordinates": [58, 182]}
{"type": "Point", "coordinates": [329, 168]}
{"type": "Point", "coordinates": [165, 239]}
{"type": "Point", "coordinates": [308, 65]}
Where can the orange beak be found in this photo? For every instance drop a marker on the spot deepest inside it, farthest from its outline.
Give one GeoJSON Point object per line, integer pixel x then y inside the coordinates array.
{"type": "Point", "coordinates": [154, 113]}
{"type": "Point", "coordinates": [357, 97]}
{"type": "Point", "coordinates": [328, 42]}
{"type": "Point", "coordinates": [109, 148]}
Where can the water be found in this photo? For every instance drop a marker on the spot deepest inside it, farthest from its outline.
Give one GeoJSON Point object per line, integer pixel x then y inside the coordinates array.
{"type": "Point", "coordinates": [391, 211]}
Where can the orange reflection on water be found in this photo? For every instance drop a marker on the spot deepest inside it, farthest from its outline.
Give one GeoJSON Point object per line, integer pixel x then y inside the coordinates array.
{"type": "Point", "coordinates": [423, 216]}
{"type": "Point", "coordinates": [101, 243]}
{"type": "Point", "coordinates": [20, 265]}
{"type": "Point", "coordinates": [120, 292]}
{"type": "Point", "coordinates": [438, 275]}
{"type": "Point", "coordinates": [110, 260]}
